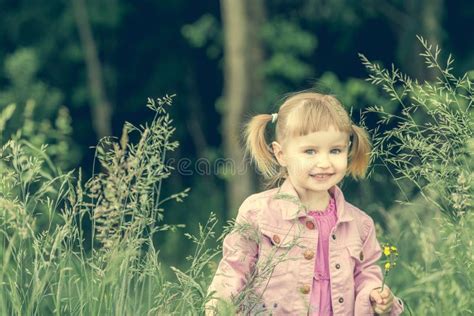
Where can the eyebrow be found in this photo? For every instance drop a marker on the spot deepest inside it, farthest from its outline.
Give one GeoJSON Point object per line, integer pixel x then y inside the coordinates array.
{"type": "Point", "coordinates": [335, 145]}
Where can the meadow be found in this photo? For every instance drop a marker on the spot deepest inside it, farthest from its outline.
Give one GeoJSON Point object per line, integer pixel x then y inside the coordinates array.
{"type": "Point", "coordinates": [73, 244]}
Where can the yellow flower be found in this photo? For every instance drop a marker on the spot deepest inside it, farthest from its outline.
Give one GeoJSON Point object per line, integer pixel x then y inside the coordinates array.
{"type": "Point", "coordinates": [391, 255]}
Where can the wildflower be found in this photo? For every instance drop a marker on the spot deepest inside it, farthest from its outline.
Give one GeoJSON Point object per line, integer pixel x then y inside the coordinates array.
{"type": "Point", "coordinates": [391, 255]}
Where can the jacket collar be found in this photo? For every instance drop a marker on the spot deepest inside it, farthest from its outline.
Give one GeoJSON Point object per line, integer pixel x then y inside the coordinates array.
{"type": "Point", "coordinates": [290, 206]}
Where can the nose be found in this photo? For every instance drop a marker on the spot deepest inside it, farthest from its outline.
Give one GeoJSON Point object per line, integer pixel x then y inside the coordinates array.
{"type": "Point", "coordinates": [323, 161]}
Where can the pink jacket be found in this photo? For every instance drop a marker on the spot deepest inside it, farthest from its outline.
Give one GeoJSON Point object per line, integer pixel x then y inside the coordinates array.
{"type": "Point", "coordinates": [283, 230]}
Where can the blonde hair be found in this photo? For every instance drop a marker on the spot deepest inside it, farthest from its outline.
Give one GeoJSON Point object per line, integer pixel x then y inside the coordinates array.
{"type": "Point", "coordinates": [300, 114]}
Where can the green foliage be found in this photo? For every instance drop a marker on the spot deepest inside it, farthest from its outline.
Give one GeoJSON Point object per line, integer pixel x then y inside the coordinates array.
{"type": "Point", "coordinates": [31, 110]}
{"type": "Point", "coordinates": [435, 274]}
{"type": "Point", "coordinates": [21, 69]}
{"type": "Point", "coordinates": [188, 295]}
{"type": "Point", "coordinates": [288, 47]}
{"type": "Point", "coordinates": [431, 148]}
{"type": "Point", "coordinates": [129, 185]}
{"type": "Point", "coordinates": [432, 143]}
{"type": "Point", "coordinates": [205, 33]}
{"type": "Point", "coordinates": [354, 94]}
{"type": "Point", "coordinates": [28, 188]}
{"type": "Point", "coordinates": [60, 268]}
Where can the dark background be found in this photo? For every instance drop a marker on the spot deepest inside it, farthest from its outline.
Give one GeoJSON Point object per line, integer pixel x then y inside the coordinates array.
{"type": "Point", "coordinates": [152, 48]}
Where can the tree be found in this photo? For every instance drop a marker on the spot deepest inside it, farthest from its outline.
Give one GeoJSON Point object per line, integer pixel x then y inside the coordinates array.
{"type": "Point", "coordinates": [242, 83]}
{"type": "Point", "coordinates": [101, 108]}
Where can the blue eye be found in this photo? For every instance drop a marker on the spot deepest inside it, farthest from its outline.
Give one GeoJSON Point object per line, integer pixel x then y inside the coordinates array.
{"type": "Point", "coordinates": [312, 151]}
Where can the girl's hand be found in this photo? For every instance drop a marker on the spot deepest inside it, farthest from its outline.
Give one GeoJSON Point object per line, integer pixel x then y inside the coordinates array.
{"type": "Point", "coordinates": [381, 301]}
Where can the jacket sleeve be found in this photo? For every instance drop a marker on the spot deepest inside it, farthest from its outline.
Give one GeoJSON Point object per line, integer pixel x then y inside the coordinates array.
{"type": "Point", "coordinates": [239, 254]}
{"type": "Point", "coordinates": [368, 274]}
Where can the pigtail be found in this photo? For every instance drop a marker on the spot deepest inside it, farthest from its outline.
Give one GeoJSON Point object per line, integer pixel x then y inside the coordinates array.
{"type": "Point", "coordinates": [257, 147]}
{"type": "Point", "coordinates": [360, 152]}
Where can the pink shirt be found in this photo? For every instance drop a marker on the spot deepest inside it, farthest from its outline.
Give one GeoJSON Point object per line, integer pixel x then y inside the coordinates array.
{"type": "Point", "coordinates": [320, 302]}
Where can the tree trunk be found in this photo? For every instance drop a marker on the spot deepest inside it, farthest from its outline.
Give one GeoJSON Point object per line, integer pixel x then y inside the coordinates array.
{"type": "Point", "coordinates": [242, 55]}
{"type": "Point", "coordinates": [101, 109]}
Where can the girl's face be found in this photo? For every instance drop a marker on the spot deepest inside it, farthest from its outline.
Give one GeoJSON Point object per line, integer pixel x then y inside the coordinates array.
{"type": "Point", "coordinates": [316, 161]}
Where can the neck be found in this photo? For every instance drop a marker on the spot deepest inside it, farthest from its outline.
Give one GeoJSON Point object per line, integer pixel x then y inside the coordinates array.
{"type": "Point", "coordinates": [315, 200]}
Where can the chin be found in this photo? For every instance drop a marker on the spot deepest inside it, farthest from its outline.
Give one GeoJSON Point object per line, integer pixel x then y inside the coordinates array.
{"type": "Point", "coordinates": [321, 186]}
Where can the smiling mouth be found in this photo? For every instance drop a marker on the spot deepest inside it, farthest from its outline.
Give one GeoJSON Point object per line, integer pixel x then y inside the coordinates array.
{"type": "Point", "coordinates": [321, 176]}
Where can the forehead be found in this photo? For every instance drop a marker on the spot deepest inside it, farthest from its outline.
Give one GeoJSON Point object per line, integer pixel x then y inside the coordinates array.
{"type": "Point", "coordinates": [323, 138]}
{"type": "Point", "coordinates": [312, 115]}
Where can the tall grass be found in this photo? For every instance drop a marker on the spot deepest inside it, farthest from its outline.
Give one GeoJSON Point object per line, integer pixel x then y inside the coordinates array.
{"type": "Point", "coordinates": [95, 252]}
{"type": "Point", "coordinates": [432, 143]}
{"type": "Point", "coordinates": [430, 148]}
{"type": "Point", "coordinates": [73, 249]}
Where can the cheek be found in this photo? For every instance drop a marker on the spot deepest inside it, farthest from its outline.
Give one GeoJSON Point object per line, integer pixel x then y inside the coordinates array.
{"type": "Point", "coordinates": [298, 165]}
{"type": "Point", "coordinates": [341, 163]}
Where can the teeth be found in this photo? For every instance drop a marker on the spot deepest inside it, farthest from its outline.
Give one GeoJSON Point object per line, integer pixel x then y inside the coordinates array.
{"type": "Point", "coordinates": [321, 176]}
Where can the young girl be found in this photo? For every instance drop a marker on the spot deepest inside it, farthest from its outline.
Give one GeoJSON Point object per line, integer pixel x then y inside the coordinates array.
{"type": "Point", "coordinates": [308, 250]}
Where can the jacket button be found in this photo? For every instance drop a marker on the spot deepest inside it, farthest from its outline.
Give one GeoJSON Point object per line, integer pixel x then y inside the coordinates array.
{"type": "Point", "coordinates": [305, 289]}
{"type": "Point", "coordinates": [310, 225]}
{"type": "Point", "coordinates": [334, 236]}
{"type": "Point", "coordinates": [361, 256]}
{"type": "Point", "coordinates": [341, 300]}
{"type": "Point", "coordinates": [276, 239]}
{"type": "Point", "coordinates": [308, 254]}
{"type": "Point", "coordinates": [338, 266]}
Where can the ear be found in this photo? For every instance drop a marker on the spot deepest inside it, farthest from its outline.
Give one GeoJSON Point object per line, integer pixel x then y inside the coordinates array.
{"type": "Point", "coordinates": [278, 152]}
